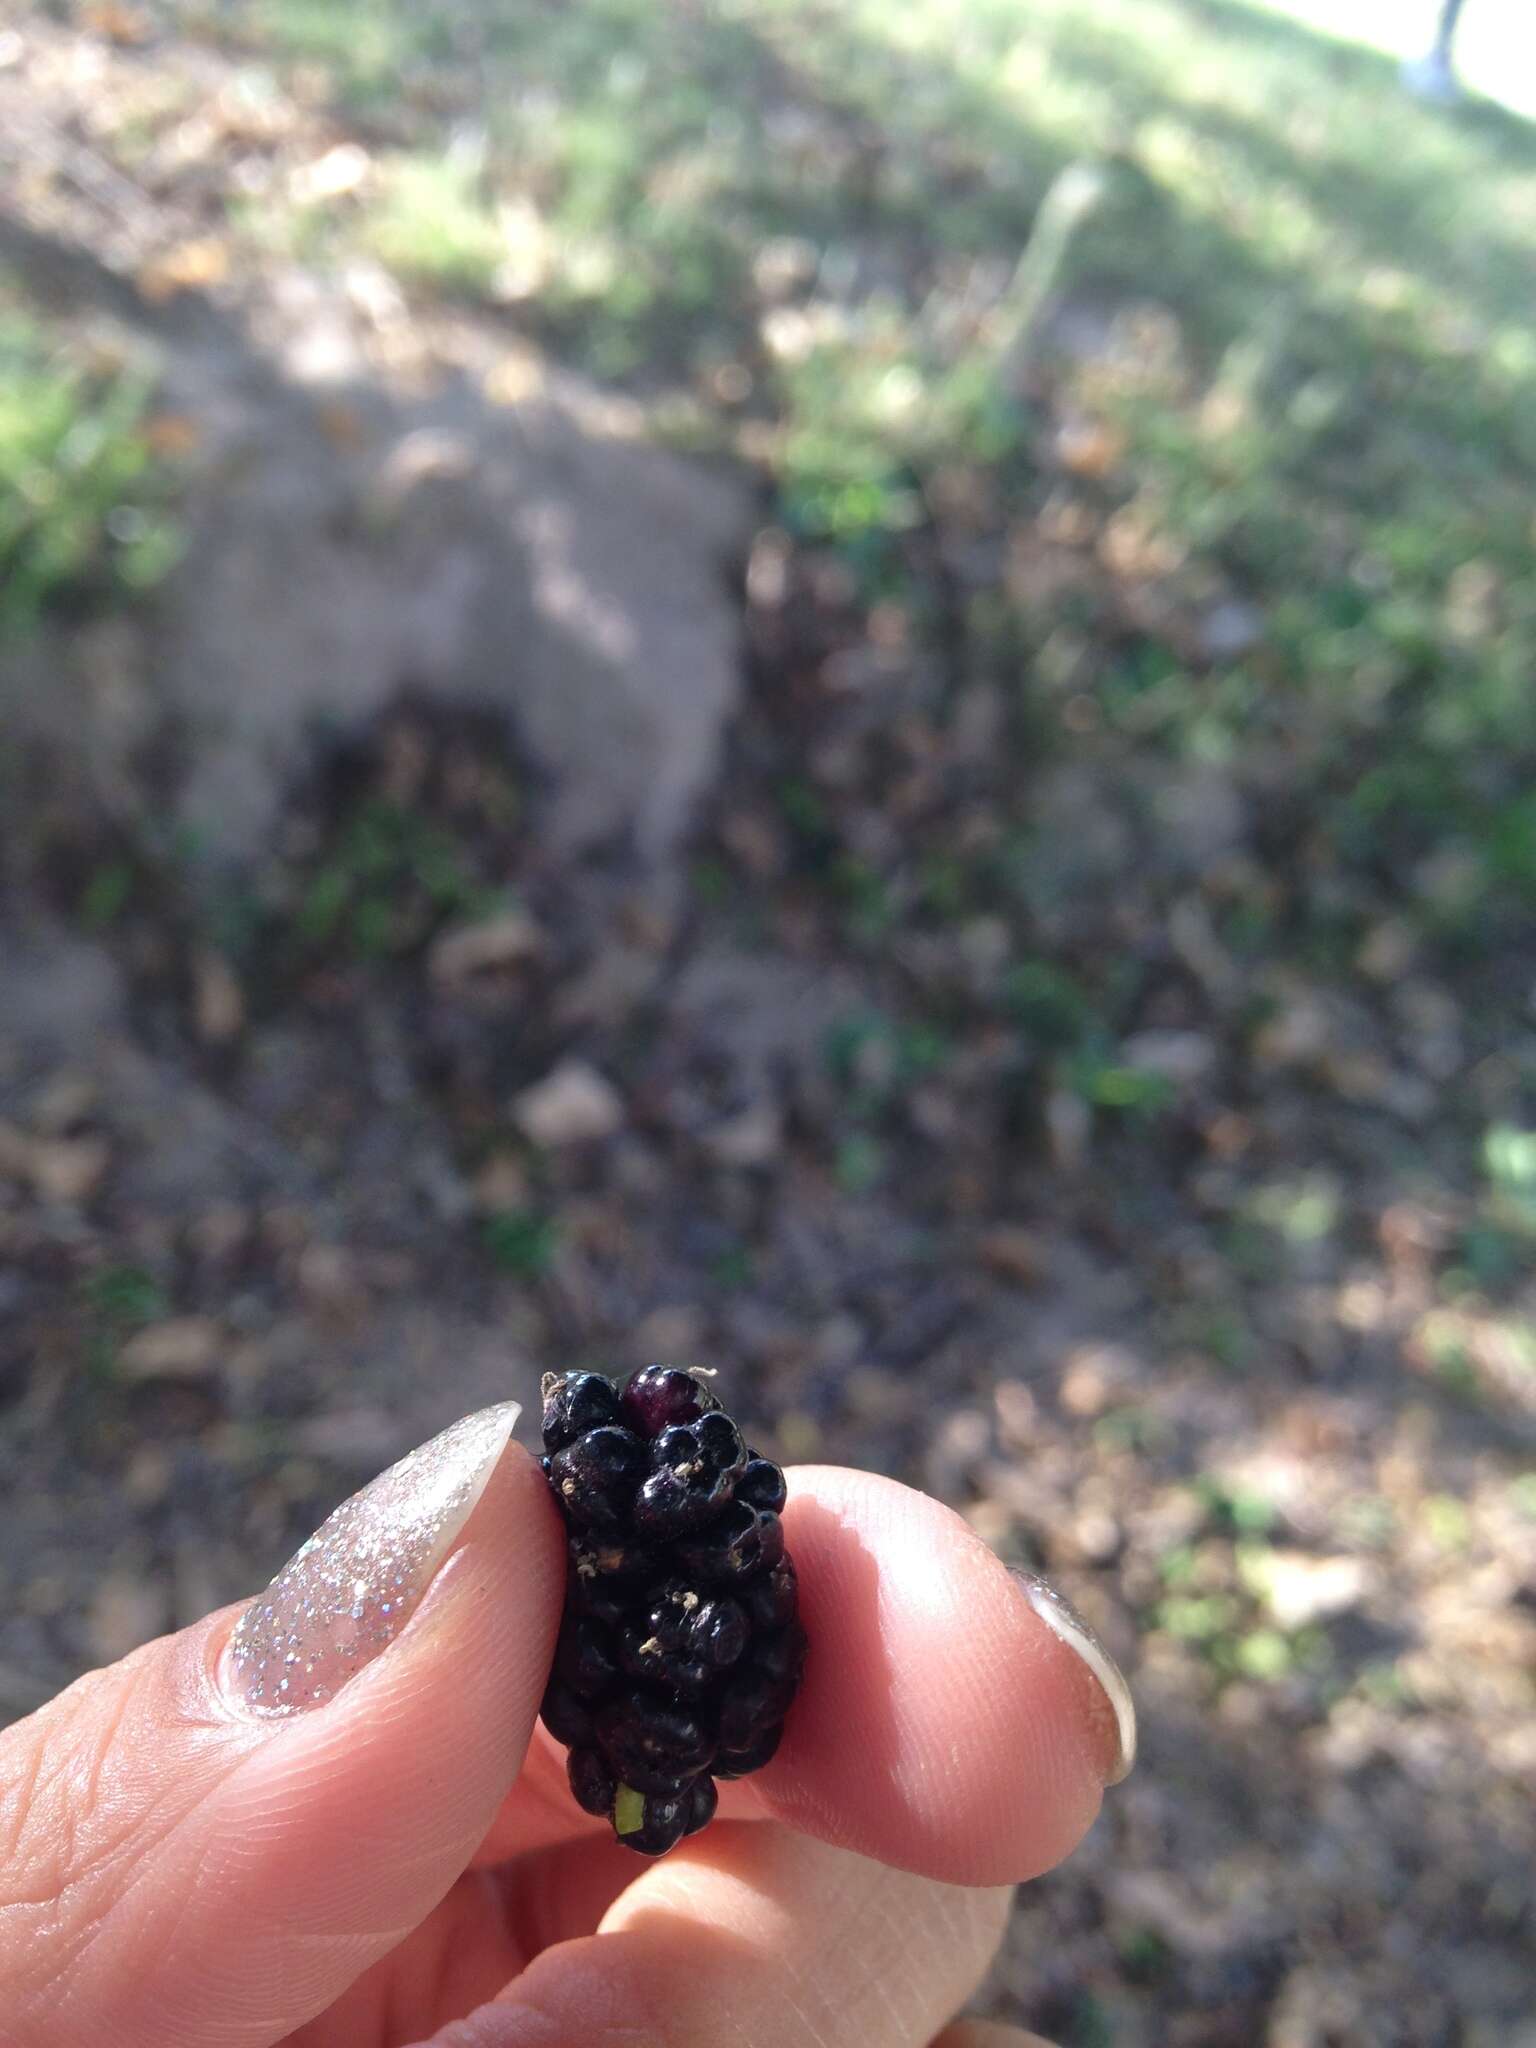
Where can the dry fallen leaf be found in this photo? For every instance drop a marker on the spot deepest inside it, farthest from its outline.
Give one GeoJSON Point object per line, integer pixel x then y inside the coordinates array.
{"type": "Point", "coordinates": [1012, 1253]}
{"type": "Point", "coordinates": [1089, 447]}
{"type": "Point", "coordinates": [171, 436]}
{"type": "Point", "coordinates": [1299, 1589]}
{"type": "Point", "coordinates": [69, 1169]}
{"type": "Point", "coordinates": [1132, 545]}
{"type": "Point", "coordinates": [573, 1105]}
{"type": "Point", "coordinates": [513, 377]}
{"type": "Point", "coordinates": [187, 267]}
{"type": "Point", "coordinates": [1179, 1057]}
{"type": "Point", "coordinates": [342, 424]}
{"type": "Point", "coordinates": [331, 176]}
{"type": "Point", "coordinates": [218, 1002]}
{"type": "Point", "coordinates": [330, 1283]}
{"type": "Point", "coordinates": [752, 1137]}
{"type": "Point", "coordinates": [129, 27]}
{"type": "Point", "coordinates": [184, 1348]}
{"type": "Point", "coordinates": [1094, 1376]}
{"type": "Point", "coordinates": [471, 949]}
{"type": "Point", "coordinates": [501, 1184]}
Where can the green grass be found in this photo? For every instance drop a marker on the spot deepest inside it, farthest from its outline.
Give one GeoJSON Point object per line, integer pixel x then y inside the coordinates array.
{"type": "Point", "coordinates": [84, 513]}
{"type": "Point", "coordinates": [522, 1242]}
{"type": "Point", "coordinates": [386, 880]}
{"type": "Point", "coordinates": [1215, 1594]}
{"type": "Point", "coordinates": [1326, 403]}
{"type": "Point", "coordinates": [125, 1297]}
{"type": "Point", "coordinates": [118, 1300]}
{"type": "Point", "coordinates": [431, 224]}
{"type": "Point", "coordinates": [1298, 378]}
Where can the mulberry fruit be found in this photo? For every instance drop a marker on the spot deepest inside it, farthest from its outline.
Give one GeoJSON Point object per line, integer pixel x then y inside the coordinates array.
{"type": "Point", "coordinates": [681, 1650]}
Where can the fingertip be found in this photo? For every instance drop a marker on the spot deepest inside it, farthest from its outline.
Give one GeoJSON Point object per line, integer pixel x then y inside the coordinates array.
{"type": "Point", "coordinates": [479, 1644]}
{"type": "Point", "coordinates": [1109, 1711]}
{"type": "Point", "coordinates": [356, 1815]}
{"type": "Point", "coordinates": [942, 1725]}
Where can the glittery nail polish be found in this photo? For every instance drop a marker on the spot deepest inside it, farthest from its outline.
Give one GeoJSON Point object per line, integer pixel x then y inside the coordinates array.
{"type": "Point", "coordinates": [344, 1596]}
{"type": "Point", "coordinates": [1063, 1619]}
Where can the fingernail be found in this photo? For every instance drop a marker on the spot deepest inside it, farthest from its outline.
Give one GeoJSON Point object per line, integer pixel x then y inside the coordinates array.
{"type": "Point", "coordinates": [344, 1596]}
{"type": "Point", "coordinates": [1063, 1619]}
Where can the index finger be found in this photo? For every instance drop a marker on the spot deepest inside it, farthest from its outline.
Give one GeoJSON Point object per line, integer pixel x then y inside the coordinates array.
{"type": "Point", "coordinates": [952, 1720]}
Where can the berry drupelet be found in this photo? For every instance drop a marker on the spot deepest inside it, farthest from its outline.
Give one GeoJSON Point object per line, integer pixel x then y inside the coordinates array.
{"type": "Point", "coordinates": [680, 1651]}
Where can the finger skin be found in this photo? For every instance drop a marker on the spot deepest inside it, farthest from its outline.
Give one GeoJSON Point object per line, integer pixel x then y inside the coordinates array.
{"type": "Point", "coordinates": [178, 1875]}
{"type": "Point", "coordinates": [761, 1938]}
{"type": "Point", "coordinates": [941, 1726]}
{"type": "Point", "coordinates": [988, 2034]}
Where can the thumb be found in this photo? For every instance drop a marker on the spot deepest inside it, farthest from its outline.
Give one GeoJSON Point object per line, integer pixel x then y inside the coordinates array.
{"type": "Point", "coordinates": [202, 1846]}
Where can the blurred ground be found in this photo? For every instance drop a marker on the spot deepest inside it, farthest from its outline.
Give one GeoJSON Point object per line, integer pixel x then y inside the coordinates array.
{"type": "Point", "coordinates": [1065, 1030]}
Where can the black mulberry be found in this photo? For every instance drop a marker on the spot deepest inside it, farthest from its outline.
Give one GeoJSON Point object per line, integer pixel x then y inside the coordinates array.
{"type": "Point", "coordinates": [681, 1648]}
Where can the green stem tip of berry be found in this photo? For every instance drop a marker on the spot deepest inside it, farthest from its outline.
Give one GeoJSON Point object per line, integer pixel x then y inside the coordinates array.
{"type": "Point", "coordinates": [628, 1811]}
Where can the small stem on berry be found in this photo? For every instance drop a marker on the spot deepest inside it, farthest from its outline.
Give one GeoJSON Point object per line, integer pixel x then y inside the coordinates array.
{"type": "Point", "coordinates": [628, 1811]}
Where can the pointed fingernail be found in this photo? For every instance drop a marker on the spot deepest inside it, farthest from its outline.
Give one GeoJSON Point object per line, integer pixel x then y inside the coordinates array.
{"type": "Point", "coordinates": [344, 1596]}
{"type": "Point", "coordinates": [1063, 1619]}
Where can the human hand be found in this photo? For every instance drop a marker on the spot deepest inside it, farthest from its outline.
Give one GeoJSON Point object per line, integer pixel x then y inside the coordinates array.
{"type": "Point", "coordinates": [400, 1861]}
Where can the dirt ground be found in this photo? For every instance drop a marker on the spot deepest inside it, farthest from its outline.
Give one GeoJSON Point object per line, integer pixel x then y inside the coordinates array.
{"type": "Point", "coordinates": [307, 1153]}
